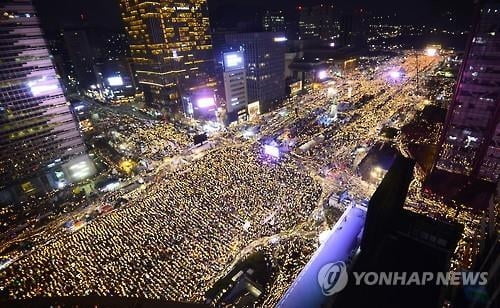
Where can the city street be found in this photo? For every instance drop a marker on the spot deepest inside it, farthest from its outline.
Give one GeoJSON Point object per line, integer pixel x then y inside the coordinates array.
{"type": "Point", "coordinates": [200, 212]}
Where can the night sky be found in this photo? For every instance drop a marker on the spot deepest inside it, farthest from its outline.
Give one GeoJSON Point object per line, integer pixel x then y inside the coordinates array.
{"type": "Point", "coordinates": [227, 13]}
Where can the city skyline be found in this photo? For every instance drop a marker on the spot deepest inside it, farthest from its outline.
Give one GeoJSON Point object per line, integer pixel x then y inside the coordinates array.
{"type": "Point", "coordinates": [225, 13]}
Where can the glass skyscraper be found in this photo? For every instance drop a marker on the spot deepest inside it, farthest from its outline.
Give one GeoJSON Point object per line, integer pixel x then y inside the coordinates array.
{"type": "Point", "coordinates": [171, 47]}
{"type": "Point", "coordinates": [37, 128]}
{"type": "Point", "coordinates": [265, 65]}
{"type": "Point", "coordinates": [470, 144]}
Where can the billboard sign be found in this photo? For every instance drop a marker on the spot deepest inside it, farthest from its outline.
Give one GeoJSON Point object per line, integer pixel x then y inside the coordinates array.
{"type": "Point", "coordinates": [115, 81]}
{"type": "Point", "coordinates": [233, 60]}
{"type": "Point", "coordinates": [79, 168]}
{"type": "Point", "coordinates": [253, 110]}
{"type": "Point", "coordinates": [205, 102]}
{"type": "Point", "coordinates": [295, 88]}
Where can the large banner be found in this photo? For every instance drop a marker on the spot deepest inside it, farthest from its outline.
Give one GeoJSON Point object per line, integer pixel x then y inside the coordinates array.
{"type": "Point", "coordinates": [253, 110]}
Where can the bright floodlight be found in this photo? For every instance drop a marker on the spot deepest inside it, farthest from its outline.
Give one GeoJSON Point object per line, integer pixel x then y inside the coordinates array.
{"type": "Point", "coordinates": [272, 151]}
{"type": "Point", "coordinates": [206, 102]}
{"type": "Point", "coordinates": [332, 44]}
{"type": "Point", "coordinates": [431, 52]}
{"type": "Point", "coordinates": [395, 74]}
{"type": "Point", "coordinates": [322, 75]}
{"type": "Point", "coordinates": [280, 39]}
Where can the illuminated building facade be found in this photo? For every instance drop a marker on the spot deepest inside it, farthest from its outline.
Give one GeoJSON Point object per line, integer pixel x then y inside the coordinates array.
{"type": "Point", "coordinates": [235, 83]}
{"type": "Point", "coordinates": [318, 23]}
{"type": "Point", "coordinates": [37, 128]}
{"type": "Point", "coordinates": [470, 143]}
{"type": "Point", "coordinates": [274, 21]}
{"type": "Point", "coordinates": [171, 48]}
{"type": "Point", "coordinates": [81, 56]}
{"type": "Point", "coordinates": [115, 82]}
{"type": "Point", "coordinates": [264, 54]}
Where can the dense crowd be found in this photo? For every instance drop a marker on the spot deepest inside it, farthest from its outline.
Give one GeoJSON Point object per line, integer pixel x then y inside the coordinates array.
{"type": "Point", "coordinates": [171, 242]}
{"type": "Point", "coordinates": [173, 239]}
{"type": "Point", "coordinates": [289, 258]}
{"type": "Point", "coordinates": [389, 101]}
{"type": "Point", "coordinates": [158, 141]}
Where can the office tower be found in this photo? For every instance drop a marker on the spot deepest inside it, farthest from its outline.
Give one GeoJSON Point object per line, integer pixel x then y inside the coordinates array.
{"type": "Point", "coordinates": [470, 144]}
{"type": "Point", "coordinates": [318, 23]}
{"type": "Point", "coordinates": [308, 25]}
{"type": "Point", "coordinates": [265, 65]}
{"type": "Point", "coordinates": [171, 48]}
{"type": "Point", "coordinates": [81, 56]}
{"type": "Point", "coordinates": [63, 64]}
{"type": "Point", "coordinates": [235, 84]}
{"type": "Point", "coordinates": [274, 21]}
{"type": "Point", "coordinates": [353, 28]}
{"type": "Point", "coordinates": [37, 129]}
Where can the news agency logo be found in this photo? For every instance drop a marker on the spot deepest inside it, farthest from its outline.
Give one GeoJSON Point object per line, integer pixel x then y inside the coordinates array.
{"type": "Point", "coordinates": [332, 278]}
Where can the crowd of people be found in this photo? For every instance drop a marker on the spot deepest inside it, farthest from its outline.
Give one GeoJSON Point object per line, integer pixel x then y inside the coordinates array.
{"type": "Point", "coordinates": [157, 141]}
{"type": "Point", "coordinates": [289, 258]}
{"type": "Point", "coordinates": [173, 239]}
{"type": "Point", "coordinates": [171, 242]}
{"type": "Point", "coordinates": [390, 99]}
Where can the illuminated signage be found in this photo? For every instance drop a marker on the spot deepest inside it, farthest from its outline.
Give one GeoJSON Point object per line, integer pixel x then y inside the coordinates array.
{"type": "Point", "coordinates": [296, 87]}
{"type": "Point", "coordinates": [233, 61]}
{"type": "Point", "coordinates": [280, 39]}
{"type": "Point", "coordinates": [43, 89]}
{"type": "Point", "coordinates": [205, 102]}
{"type": "Point", "coordinates": [253, 110]}
{"type": "Point", "coordinates": [79, 169]}
{"type": "Point", "coordinates": [115, 81]}
{"type": "Point", "coordinates": [322, 75]}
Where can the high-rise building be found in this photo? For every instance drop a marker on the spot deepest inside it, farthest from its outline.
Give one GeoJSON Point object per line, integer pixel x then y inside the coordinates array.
{"type": "Point", "coordinates": [235, 84]}
{"type": "Point", "coordinates": [274, 21]}
{"type": "Point", "coordinates": [265, 65]}
{"type": "Point", "coordinates": [353, 28]}
{"type": "Point", "coordinates": [171, 48]}
{"type": "Point", "coordinates": [116, 82]}
{"type": "Point", "coordinates": [470, 144]}
{"type": "Point", "coordinates": [308, 25]}
{"type": "Point", "coordinates": [81, 56]}
{"type": "Point", "coordinates": [318, 23]}
{"type": "Point", "coordinates": [37, 129]}
{"type": "Point", "coordinates": [116, 46]}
